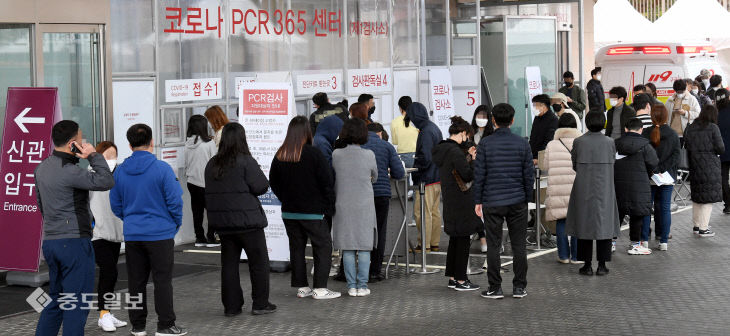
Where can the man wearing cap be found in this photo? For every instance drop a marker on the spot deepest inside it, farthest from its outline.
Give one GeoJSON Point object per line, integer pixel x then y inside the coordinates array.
{"type": "Point", "coordinates": [575, 95]}
{"type": "Point", "coordinates": [559, 103]}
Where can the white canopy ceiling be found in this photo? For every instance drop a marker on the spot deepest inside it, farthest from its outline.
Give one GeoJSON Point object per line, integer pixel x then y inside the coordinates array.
{"type": "Point", "coordinates": [695, 20]}
{"type": "Point", "coordinates": [617, 21]}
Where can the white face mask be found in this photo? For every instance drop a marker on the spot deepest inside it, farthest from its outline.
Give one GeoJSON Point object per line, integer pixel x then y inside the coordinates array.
{"type": "Point", "coordinates": [482, 122]}
{"type": "Point", "coordinates": [706, 82]}
{"type": "Point", "coordinates": [613, 101]}
{"type": "Point", "coordinates": [598, 77]}
{"type": "Point", "coordinates": [111, 164]}
{"type": "Point", "coordinates": [695, 91]}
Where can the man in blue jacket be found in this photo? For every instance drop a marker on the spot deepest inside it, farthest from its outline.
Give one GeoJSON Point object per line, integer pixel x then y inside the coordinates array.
{"type": "Point", "coordinates": [148, 198]}
{"type": "Point", "coordinates": [503, 183]}
{"type": "Point", "coordinates": [428, 137]}
{"type": "Point", "coordinates": [327, 132]}
{"type": "Point", "coordinates": [387, 159]}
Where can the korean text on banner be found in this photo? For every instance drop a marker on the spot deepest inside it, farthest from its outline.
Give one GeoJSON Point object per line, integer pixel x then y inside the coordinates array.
{"type": "Point", "coordinates": [29, 117]}
{"type": "Point", "coordinates": [534, 85]}
{"type": "Point", "coordinates": [266, 109]}
{"type": "Point", "coordinates": [442, 98]}
{"type": "Point", "coordinates": [369, 81]}
{"type": "Point", "coordinates": [193, 89]}
{"type": "Point", "coordinates": [309, 84]}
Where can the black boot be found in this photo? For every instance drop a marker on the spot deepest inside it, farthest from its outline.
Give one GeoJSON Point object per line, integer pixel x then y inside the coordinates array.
{"type": "Point", "coordinates": [602, 270]}
{"type": "Point", "coordinates": [586, 269]}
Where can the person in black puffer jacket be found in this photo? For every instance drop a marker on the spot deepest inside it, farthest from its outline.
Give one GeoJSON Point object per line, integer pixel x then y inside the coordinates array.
{"type": "Point", "coordinates": [704, 143]}
{"type": "Point", "coordinates": [504, 176]}
{"type": "Point", "coordinates": [632, 183]}
{"type": "Point", "coordinates": [666, 143]}
{"type": "Point", "coordinates": [459, 219]}
{"type": "Point", "coordinates": [233, 181]}
{"type": "Point", "coordinates": [428, 137]}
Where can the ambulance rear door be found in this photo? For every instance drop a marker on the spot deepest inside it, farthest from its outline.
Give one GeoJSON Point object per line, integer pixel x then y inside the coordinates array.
{"type": "Point", "coordinates": [620, 74]}
{"type": "Point", "coordinates": [663, 76]}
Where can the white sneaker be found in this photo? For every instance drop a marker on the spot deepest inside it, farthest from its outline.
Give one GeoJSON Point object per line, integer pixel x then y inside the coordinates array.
{"type": "Point", "coordinates": [304, 292]}
{"type": "Point", "coordinates": [662, 246]}
{"type": "Point", "coordinates": [106, 322]}
{"type": "Point", "coordinates": [613, 246]}
{"type": "Point", "coordinates": [639, 250]}
{"type": "Point", "coordinates": [645, 244]}
{"type": "Point", "coordinates": [363, 292]}
{"type": "Point", "coordinates": [352, 292]}
{"type": "Point", "coordinates": [324, 294]}
{"type": "Point", "coordinates": [117, 322]}
{"type": "Point", "coordinates": [577, 262]}
{"type": "Point", "coordinates": [564, 261]}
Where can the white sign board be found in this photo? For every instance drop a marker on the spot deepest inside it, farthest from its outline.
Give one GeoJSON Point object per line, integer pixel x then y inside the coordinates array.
{"type": "Point", "coordinates": [309, 84]}
{"type": "Point", "coordinates": [369, 81]}
{"type": "Point", "coordinates": [534, 85]}
{"type": "Point", "coordinates": [442, 98]}
{"type": "Point", "coordinates": [174, 156]}
{"type": "Point", "coordinates": [265, 111]}
{"type": "Point", "coordinates": [134, 103]}
{"type": "Point", "coordinates": [193, 89]}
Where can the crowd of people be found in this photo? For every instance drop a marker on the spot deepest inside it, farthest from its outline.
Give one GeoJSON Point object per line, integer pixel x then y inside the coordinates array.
{"type": "Point", "coordinates": [332, 176]}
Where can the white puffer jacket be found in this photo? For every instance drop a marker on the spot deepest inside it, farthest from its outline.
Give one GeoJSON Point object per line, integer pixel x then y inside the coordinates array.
{"type": "Point", "coordinates": [559, 166]}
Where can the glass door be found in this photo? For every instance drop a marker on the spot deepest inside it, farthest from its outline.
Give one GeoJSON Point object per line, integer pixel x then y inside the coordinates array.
{"type": "Point", "coordinates": [70, 58]}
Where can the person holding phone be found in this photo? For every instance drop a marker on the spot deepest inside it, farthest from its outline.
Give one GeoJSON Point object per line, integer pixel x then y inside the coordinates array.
{"type": "Point", "coordinates": [62, 191]}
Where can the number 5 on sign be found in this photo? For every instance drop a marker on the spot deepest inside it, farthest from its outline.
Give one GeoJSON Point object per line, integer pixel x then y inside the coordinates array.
{"type": "Point", "coordinates": [470, 100]}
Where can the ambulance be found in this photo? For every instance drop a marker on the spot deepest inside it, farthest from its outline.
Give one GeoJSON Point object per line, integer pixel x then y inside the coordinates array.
{"type": "Point", "coordinates": [628, 65]}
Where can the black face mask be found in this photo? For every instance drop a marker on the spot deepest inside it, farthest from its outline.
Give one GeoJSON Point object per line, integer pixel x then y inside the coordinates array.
{"type": "Point", "coordinates": [557, 107]}
{"type": "Point", "coordinates": [371, 111]}
{"type": "Point", "coordinates": [568, 84]}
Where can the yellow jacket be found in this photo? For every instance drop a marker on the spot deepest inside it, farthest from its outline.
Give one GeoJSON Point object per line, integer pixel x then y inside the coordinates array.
{"type": "Point", "coordinates": [404, 138]}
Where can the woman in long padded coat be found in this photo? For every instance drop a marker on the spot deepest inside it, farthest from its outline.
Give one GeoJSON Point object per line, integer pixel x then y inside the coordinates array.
{"type": "Point", "coordinates": [592, 210]}
{"type": "Point", "coordinates": [354, 229]}
{"type": "Point", "coordinates": [559, 166]}
{"type": "Point", "coordinates": [704, 143]}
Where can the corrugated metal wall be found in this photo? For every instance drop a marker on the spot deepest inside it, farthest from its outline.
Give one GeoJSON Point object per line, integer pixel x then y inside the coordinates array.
{"type": "Point", "coordinates": [653, 9]}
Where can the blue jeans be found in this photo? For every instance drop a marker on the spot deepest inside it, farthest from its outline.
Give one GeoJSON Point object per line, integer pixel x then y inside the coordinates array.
{"type": "Point", "coordinates": [71, 269]}
{"type": "Point", "coordinates": [357, 268]}
{"type": "Point", "coordinates": [662, 196]}
{"type": "Point", "coordinates": [565, 249]}
{"type": "Point", "coordinates": [408, 159]}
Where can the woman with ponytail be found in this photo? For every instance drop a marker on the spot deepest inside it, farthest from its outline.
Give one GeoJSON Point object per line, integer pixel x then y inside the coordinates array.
{"type": "Point", "coordinates": [666, 143]}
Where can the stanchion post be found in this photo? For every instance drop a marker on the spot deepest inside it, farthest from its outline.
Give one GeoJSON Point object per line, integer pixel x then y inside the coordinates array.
{"type": "Point", "coordinates": [422, 192]}
{"type": "Point", "coordinates": [405, 215]}
{"type": "Point", "coordinates": [537, 207]}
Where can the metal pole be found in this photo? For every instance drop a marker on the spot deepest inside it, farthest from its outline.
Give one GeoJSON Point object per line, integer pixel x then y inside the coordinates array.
{"type": "Point", "coordinates": [405, 221]}
{"type": "Point", "coordinates": [422, 192]}
{"type": "Point", "coordinates": [537, 207]}
{"type": "Point", "coordinates": [580, 44]}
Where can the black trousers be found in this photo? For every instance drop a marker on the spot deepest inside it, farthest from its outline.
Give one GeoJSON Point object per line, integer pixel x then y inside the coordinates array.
{"type": "Point", "coordinates": [726, 184]}
{"type": "Point", "coordinates": [254, 243]}
{"type": "Point", "coordinates": [107, 256]}
{"type": "Point", "coordinates": [457, 257]}
{"type": "Point", "coordinates": [143, 258]}
{"type": "Point", "coordinates": [382, 205]}
{"type": "Point", "coordinates": [318, 232]}
{"type": "Point", "coordinates": [516, 217]}
{"type": "Point", "coordinates": [197, 202]}
{"type": "Point", "coordinates": [635, 226]}
{"type": "Point", "coordinates": [585, 250]}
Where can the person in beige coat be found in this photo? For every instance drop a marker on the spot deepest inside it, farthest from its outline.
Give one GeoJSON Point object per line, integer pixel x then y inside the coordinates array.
{"type": "Point", "coordinates": [560, 171]}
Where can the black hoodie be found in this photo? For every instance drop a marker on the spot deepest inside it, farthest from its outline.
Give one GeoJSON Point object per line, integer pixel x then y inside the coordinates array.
{"type": "Point", "coordinates": [428, 137]}
{"type": "Point", "coordinates": [631, 174]}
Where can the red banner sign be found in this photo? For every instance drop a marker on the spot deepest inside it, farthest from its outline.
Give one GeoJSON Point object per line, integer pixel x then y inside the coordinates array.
{"type": "Point", "coordinates": [29, 117]}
